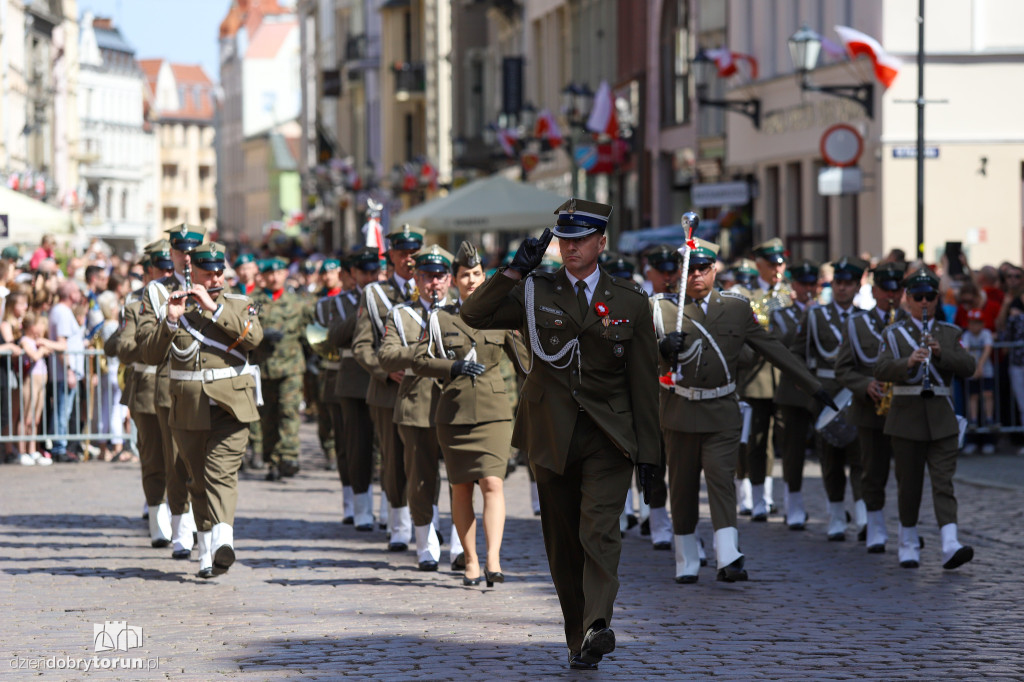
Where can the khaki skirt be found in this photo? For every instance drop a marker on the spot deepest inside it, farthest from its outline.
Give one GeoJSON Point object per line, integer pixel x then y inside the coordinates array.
{"type": "Point", "coordinates": [473, 451]}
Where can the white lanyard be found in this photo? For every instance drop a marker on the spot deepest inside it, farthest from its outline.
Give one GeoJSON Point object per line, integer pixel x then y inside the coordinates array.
{"type": "Point", "coordinates": [416, 317]}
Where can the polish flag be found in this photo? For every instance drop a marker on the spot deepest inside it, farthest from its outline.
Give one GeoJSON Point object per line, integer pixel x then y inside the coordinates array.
{"type": "Point", "coordinates": [602, 117]}
{"type": "Point", "coordinates": [428, 175]}
{"type": "Point", "coordinates": [856, 43]}
{"type": "Point", "coordinates": [728, 62]}
{"type": "Point", "coordinates": [508, 138]}
{"type": "Point", "coordinates": [374, 234]}
{"type": "Point", "coordinates": [547, 128]}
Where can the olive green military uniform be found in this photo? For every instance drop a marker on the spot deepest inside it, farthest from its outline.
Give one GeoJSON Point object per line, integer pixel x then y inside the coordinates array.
{"type": "Point", "coordinates": [924, 431]}
{"type": "Point", "coordinates": [701, 417]}
{"type": "Point", "coordinates": [355, 437]}
{"type": "Point", "coordinates": [818, 340]}
{"type": "Point", "coordinates": [587, 414]}
{"type": "Point", "coordinates": [325, 310]}
{"type": "Point", "coordinates": [374, 307]}
{"type": "Point", "coordinates": [282, 366]}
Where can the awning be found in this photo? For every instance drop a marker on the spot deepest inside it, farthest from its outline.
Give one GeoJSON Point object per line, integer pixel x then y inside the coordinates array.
{"type": "Point", "coordinates": [490, 204]}
{"type": "Point", "coordinates": [28, 218]}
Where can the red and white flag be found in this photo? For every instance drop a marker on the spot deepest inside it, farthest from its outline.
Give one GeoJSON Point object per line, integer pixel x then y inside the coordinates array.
{"type": "Point", "coordinates": [428, 175]}
{"type": "Point", "coordinates": [856, 43]}
{"type": "Point", "coordinates": [508, 138]}
{"type": "Point", "coordinates": [602, 117]}
{"type": "Point", "coordinates": [547, 128]}
{"type": "Point", "coordinates": [728, 62]}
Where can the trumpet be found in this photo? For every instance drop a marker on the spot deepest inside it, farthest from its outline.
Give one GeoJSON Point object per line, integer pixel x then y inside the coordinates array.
{"type": "Point", "coordinates": [885, 403]}
{"type": "Point", "coordinates": [926, 382]}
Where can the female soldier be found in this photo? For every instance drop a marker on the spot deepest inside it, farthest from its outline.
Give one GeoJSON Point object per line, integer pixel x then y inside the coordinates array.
{"type": "Point", "coordinates": [473, 417]}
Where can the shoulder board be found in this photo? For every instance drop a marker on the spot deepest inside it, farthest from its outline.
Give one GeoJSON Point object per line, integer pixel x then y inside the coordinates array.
{"type": "Point", "coordinates": [629, 285]}
{"type": "Point", "coordinates": [729, 293]}
{"type": "Point", "coordinates": [673, 298]}
{"type": "Point", "coordinates": [550, 276]}
{"type": "Point", "coordinates": [235, 297]}
{"type": "Point", "coordinates": [403, 304]}
{"type": "Point", "coordinates": [859, 313]}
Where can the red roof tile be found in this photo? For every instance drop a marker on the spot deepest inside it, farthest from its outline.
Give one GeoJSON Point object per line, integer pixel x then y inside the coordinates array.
{"type": "Point", "coordinates": [268, 39]}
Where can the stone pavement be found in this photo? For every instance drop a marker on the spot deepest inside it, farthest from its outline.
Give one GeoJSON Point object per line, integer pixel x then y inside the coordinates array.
{"type": "Point", "coordinates": [312, 599]}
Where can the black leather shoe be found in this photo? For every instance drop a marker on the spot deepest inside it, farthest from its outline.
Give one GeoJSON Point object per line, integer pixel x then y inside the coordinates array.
{"type": "Point", "coordinates": [470, 582]}
{"type": "Point", "coordinates": [181, 554]}
{"type": "Point", "coordinates": [745, 512]}
{"type": "Point", "coordinates": [428, 565]}
{"type": "Point", "coordinates": [575, 663]}
{"type": "Point", "coordinates": [223, 557]}
{"type": "Point", "coordinates": [397, 546]}
{"type": "Point", "coordinates": [662, 545]}
{"type": "Point", "coordinates": [348, 521]}
{"type": "Point", "coordinates": [733, 573]}
{"type": "Point", "coordinates": [962, 556]}
{"type": "Point", "coordinates": [797, 526]}
{"type": "Point", "coordinates": [837, 537]}
{"type": "Point", "coordinates": [876, 549]}
{"type": "Point", "coordinates": [273, 474]}
{"type": "Point", "coordinates": [491, 578]}
{"type": "Point", "coordinates": [205, 573]}
{"type": "Point", "coordinates": [759, 517]}
{"type": "Point", "coordinates": [289, 469]}
{"type": "Point", "coordinates": [459, 562]}
{"type": "Point", "coordinates": [862, 534]}
{"type": "Point", "coordinates": [597, 643]}
{"type": "Point", "coordinates": [686, 579]}
{"type": "Point", "coordinates": [909, 564]}
{"type": "Point", "coordinates": [645, 528]}
{"type": "Point", "coordinates": [631, 521]}
{"type": "Point", "coordinates": [364, 527]}
{"type": "Point", "coordinates": [160, 542]}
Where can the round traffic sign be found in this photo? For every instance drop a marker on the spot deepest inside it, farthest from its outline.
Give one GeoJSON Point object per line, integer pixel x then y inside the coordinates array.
{"type": "Point", "coordinates": [841, 145]}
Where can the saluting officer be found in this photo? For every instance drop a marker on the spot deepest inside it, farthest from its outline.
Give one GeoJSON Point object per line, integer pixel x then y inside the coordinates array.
{"type": "Point", "coordinates": [663, 272]}
{"type": "Point", "coordinates": [281, 366]}
{"type": "Point", "coordinates": [377, 301]}
{"type": "Point", "coordinates": [139, 396]}
{"type": "Point", "coordinates": [587, 412]}
{"type": "Point", "coordinates": [855, 370]}
{"type": "Point", "coordinates": [921, 356]}
{"type": "Point", "coordinates": [184, 239]}
{"type": "Point", "coordinates": [700, 417]}
{"type": "Point", "coordinates": [214, 395]}
{"type": "Point", "coordinates": [417, 400]}
{"type": "Point", "coordinates": [356, 438]}
{"type": "Point", "coordinates": [757, 389]}
{"type": "Point", "coordinates": [795, 408]}
{"type": "Point", "coordinates": [818, 341]}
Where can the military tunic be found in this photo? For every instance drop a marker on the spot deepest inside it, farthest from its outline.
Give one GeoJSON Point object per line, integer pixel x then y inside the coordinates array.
{"type": "Point", "coordinates": [924, 431]}
{"type": "Point", "coordinates": [349, 389]}
{"type": "Point", "coordinates": [584, 419]}
{"type": "Point", "coordinates": [796, 408]}
{"type": "Point", "coordinates": [282, 365]}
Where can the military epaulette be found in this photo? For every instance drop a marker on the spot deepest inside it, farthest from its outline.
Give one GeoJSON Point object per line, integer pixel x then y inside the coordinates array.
{"type": "Point", "coordinates": [629, 285]}
{"type": "Point", "coordinates": [741, 290]}
{"type": "Point", "coordinates": [543, 274]}
{"type": "Point", "coordinates": [403, 304]}
{"type": "Point", "coordinates": [235, 297]}
{"type": "Point", "coordinates": [729, 293]}
{"type": "Point", "coordinates": [668, 296]}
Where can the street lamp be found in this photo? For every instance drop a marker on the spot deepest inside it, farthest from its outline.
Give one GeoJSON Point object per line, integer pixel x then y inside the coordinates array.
{"type": "Point", "coordinates": [703, 67]}
{"type": "Point", "coordinates": [804, 49]}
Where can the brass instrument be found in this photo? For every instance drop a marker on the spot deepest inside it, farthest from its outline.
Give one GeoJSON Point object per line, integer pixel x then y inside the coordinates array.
{"type": "Point", "coordinates": [764, 306]}
{"type": "Point", "coordinates": [316, 337]}
{"type": "Point", "coordinates": [882, 408]}
{"type": "Point", "coordinates": [926, 382]}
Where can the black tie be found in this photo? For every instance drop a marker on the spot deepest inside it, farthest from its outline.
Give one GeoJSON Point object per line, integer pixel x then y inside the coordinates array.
{"type": "Point", "coordinates": [581, 297]}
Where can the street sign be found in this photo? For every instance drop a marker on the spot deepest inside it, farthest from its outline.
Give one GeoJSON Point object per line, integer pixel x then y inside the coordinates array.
{"type": "Point", "coordinates": [720, 194]}
{"type": "Point", "coordinates": [837, 180]}
{"type": "Point", "coordinates": [910, 152]}
{"type": "Point", "coordinates": [841, 145]}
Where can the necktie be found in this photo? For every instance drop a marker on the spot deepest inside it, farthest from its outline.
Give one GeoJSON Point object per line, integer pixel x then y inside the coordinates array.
{"type": "Point", "coordinates": [581, 296]}
{"type": "Point", "coordinates": [408, 289]}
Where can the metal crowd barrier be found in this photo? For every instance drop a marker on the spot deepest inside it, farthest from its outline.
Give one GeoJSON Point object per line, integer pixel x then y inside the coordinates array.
{"type": "Point", "coordinates": [91, 411]}
{"type": "Point", "coordinates": [1008, 403]}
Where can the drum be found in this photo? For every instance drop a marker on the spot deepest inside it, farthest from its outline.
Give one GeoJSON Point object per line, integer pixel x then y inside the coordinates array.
{"type": "Point", "coordinates": [832, 425]}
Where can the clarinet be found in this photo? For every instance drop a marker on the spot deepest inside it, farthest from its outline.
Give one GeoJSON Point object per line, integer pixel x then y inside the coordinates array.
{"type": "Point", "coordinates": [926, 382]}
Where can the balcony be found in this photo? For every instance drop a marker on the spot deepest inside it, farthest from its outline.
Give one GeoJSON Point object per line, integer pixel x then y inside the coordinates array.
{"type": "Point", "coordinates": [410, 79]}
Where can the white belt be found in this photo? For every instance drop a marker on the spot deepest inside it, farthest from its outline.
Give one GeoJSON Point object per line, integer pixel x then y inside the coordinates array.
{"type": "Point", "coordinates": [330, 364]}
{"type": "Point", "coordinates": [143, 369]}
{"type": "Point", "coordinates": [916, 390]}
{"type": "Point", "coordinates": [826, 373]}
{"type": "Point", "coordinates": [207, 375]}
{"type": "Point", "coordinates": [347, 353]}
{"type": "Point", "coordinates": [703, 393]}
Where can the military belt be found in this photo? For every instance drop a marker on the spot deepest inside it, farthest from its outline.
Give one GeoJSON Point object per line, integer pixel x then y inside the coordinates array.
{"type": "Point", "coordinates": [916, 390]}
{"type": "Point", "coordinates": [330, 364]}
{"type": "Point", "coordinates": [704, 393]}
{"type": "Point", "coordinates": [826, 373]}
{"type": "Point", "coordinates": [207, 375]}
{"type": "Point", "coordinates": [143, 369]}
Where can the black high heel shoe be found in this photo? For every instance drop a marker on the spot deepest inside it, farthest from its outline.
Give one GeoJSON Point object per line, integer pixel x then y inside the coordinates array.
{"type": "Point", "coordinates": [491, 578]}
{"type": "Point", "coordinates": [470, 582]}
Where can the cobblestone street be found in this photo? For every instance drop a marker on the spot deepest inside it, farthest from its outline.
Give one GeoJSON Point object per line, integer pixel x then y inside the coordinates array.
{"type": "Point", "coordinates": [311, 598]}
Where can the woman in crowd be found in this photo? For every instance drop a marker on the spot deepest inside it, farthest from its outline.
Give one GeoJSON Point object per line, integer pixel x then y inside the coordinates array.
{"type": "Point", "coordinates": [11, 367]}
{"type": "Point", "coordinates": [473, 417]}
{"type": "Point", "coordinates": [111, 416]}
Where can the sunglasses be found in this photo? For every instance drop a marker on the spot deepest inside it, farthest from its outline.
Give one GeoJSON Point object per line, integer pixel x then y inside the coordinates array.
{"type": "Point", "coordinates": [931, 296]}
{"type": "Point", "coordinates": [700, 269]}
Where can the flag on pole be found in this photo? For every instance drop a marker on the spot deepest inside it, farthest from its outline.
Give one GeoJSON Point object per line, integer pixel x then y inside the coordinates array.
{"type": "Point", "coordinates": [508, 138]}
{"type": "Point", "coordinates": [547, 128]}
{"type": "Point", "coordinates": [373, 230]}
{"type": "Point", "coordinates": [602, 116]}
{"type": "Point", "coordinates": [856, 43]}
{"type": "Point", "coordinates": [728, 62]}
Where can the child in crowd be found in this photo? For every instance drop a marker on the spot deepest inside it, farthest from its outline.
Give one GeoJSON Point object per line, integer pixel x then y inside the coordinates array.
{"type": "Point", "coordinates": [978, 341]}
{"type": "Point", "coordinates": [37, 348]}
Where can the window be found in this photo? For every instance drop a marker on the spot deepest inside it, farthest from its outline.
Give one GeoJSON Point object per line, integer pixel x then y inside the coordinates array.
{"type": "Point", "coordinates": [675, 39]}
